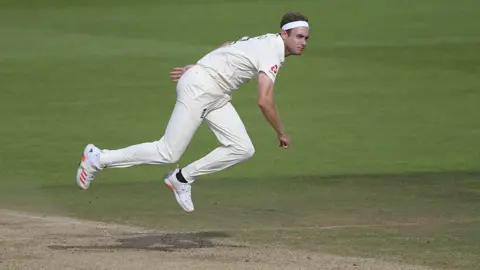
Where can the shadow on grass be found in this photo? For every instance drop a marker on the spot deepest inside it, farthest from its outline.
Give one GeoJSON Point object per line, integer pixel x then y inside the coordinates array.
{"type": "Point", "coordinates": [158, 242]}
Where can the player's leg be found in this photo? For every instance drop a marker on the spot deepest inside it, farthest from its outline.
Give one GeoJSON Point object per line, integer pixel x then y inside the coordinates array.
{"type": "Point", "coordinates": [236, 144]}
{"type": "Point", "coordinates": [181, 127]}
{"type": "Point", "coordinates": [236, 147]}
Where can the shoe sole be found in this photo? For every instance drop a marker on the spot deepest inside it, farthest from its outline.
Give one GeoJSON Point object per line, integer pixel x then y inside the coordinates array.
{"type": "Point", "coordinates": [177, 197]}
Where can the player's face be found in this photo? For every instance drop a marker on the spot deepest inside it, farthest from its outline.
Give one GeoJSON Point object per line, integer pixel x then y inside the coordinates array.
{"type": "Point", "coordinates": [296, 41]}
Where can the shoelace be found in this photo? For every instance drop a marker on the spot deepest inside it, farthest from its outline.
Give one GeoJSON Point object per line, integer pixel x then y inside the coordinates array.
{"type": "Point", "coordinates": [90, 177]}
{"type": "Point", "coordinates": [186, 188]}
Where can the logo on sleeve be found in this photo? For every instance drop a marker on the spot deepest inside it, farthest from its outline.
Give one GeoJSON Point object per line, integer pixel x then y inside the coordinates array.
{"type": "Point", "coordinates": [274, 69]}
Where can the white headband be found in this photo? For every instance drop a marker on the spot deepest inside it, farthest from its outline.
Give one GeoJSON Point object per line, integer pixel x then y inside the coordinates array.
{"type": "Point", "coordinates": [291, 25]}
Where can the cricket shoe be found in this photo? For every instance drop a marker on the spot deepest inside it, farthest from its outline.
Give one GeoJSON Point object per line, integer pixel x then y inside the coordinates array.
{"type": "Point", "coordinates": [89, 166]}
{"type": "Point", "coordinates": [182, 191]}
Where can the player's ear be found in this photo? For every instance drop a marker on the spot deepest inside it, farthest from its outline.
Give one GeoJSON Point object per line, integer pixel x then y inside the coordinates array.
{"type": "Point", "coordinates": [284, 34]}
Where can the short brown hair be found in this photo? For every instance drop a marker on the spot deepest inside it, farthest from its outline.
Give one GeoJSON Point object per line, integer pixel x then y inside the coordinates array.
{"type": "Point", "coordinates": [292, 17]}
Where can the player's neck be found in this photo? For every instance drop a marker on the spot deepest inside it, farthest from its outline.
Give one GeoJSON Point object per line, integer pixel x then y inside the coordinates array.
{"type": "Point", "coordinates": [287, 52]}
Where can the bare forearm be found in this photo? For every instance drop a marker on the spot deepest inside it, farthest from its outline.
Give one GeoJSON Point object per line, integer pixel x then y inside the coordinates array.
{"type": "Point", "coordinates": [271, 114]}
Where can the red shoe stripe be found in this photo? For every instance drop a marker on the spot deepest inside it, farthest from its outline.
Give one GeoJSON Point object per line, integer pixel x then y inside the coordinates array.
{"type": "Point", "coordinates": [82, 177]}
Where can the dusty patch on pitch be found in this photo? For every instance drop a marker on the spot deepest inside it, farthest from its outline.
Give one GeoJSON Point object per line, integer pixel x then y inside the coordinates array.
{"type": "Point", "coordinates": [29, 241]}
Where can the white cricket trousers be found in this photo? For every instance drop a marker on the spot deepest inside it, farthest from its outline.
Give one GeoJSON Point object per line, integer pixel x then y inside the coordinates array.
{"type": "Point", "coordinates": [198, 99]}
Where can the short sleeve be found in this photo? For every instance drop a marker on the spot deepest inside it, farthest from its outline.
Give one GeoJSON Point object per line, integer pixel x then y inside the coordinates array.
{"type": "Point", "coordinates": [270, 66]}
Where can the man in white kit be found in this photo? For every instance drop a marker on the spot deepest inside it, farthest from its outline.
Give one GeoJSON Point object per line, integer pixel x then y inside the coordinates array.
{"type": "Point", "coordinates": [204, 92]}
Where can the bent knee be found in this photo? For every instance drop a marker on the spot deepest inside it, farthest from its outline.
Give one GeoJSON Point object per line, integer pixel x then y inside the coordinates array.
{"type": "Point", "coordinates": [249, 151]}
{"type": "Point", "coordinates": [172, 158]}
{"type": "Point", "coordinates": [167, 155]}
{"type": "Point", "coordinates": [246, 151]}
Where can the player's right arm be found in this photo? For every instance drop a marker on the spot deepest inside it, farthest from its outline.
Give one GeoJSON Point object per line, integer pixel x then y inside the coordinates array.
{"type": "Point", "coordinates": [268, 108]}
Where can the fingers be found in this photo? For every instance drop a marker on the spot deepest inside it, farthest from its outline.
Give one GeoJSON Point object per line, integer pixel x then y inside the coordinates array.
{"type": "Point", "coordinates": [284, 143]}
{"type": "Point", "coordinates": [175, 78]}
{"type": "Point", "coordinates": [177, 70]}
{"type": "Point", "coordinates": [176, 73]}
{"type": "Point", "coordinates": [173, 74]}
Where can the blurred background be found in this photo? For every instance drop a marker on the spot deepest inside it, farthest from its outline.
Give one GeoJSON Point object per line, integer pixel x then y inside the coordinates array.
{"type": "Point", "coordinates": [382, 108]}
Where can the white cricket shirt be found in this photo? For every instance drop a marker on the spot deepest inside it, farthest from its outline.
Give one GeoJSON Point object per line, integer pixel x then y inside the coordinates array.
{"type": "Point", "coordinates": [237, 63]}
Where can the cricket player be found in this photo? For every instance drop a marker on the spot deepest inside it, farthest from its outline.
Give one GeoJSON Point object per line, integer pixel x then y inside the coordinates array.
{"type": "Point", "coordinates": [204, 91]}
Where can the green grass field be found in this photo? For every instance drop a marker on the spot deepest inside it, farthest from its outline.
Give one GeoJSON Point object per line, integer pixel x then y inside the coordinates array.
{"type": "Point", "coordinates": [383, 110]}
